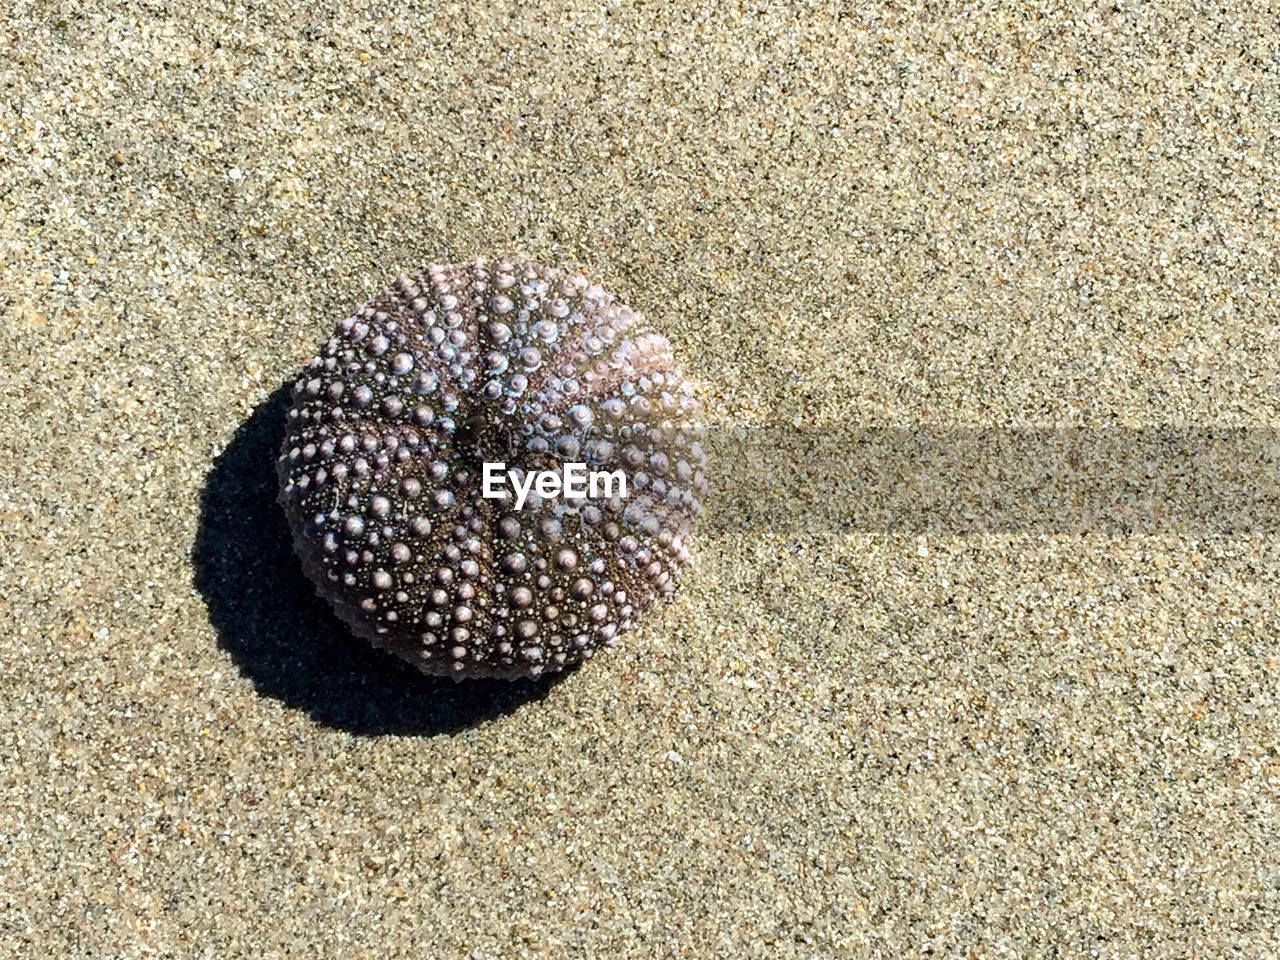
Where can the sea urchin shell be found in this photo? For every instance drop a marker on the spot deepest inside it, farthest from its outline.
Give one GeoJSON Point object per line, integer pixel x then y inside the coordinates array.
{"type": "Point", "coordinates": [490, 361]}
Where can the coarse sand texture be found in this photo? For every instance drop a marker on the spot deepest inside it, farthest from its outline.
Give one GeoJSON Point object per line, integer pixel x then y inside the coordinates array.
{"type": "Point", "coordinates": [974, 651]}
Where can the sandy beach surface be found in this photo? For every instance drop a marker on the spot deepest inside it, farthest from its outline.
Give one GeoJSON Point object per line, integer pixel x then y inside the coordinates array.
{"type": "Point", "coordinates": [909, 701]}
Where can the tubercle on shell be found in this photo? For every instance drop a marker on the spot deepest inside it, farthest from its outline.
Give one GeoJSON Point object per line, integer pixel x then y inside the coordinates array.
{"type": "Point", "coordinates": [490, 361]}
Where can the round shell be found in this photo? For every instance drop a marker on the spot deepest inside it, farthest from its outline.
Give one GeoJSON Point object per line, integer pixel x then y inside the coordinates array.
{"type": "Point", "coordinates": [500, 362]}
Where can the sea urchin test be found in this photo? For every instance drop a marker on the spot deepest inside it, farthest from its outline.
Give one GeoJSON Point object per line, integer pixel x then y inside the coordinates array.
{"type": "Point", "coordinates": [414, 430]}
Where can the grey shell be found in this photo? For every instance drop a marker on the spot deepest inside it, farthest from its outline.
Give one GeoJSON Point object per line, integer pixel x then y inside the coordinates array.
{"type": "Point", "coordinates": [380, 470]}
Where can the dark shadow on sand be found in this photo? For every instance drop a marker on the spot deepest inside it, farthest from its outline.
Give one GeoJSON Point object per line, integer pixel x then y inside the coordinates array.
{"type": "Point", "coordinates": [284, 638]}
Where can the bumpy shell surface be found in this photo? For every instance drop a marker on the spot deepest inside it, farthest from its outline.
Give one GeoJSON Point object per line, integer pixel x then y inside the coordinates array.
{"type": "Point", "coordinates": [498, 361]}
